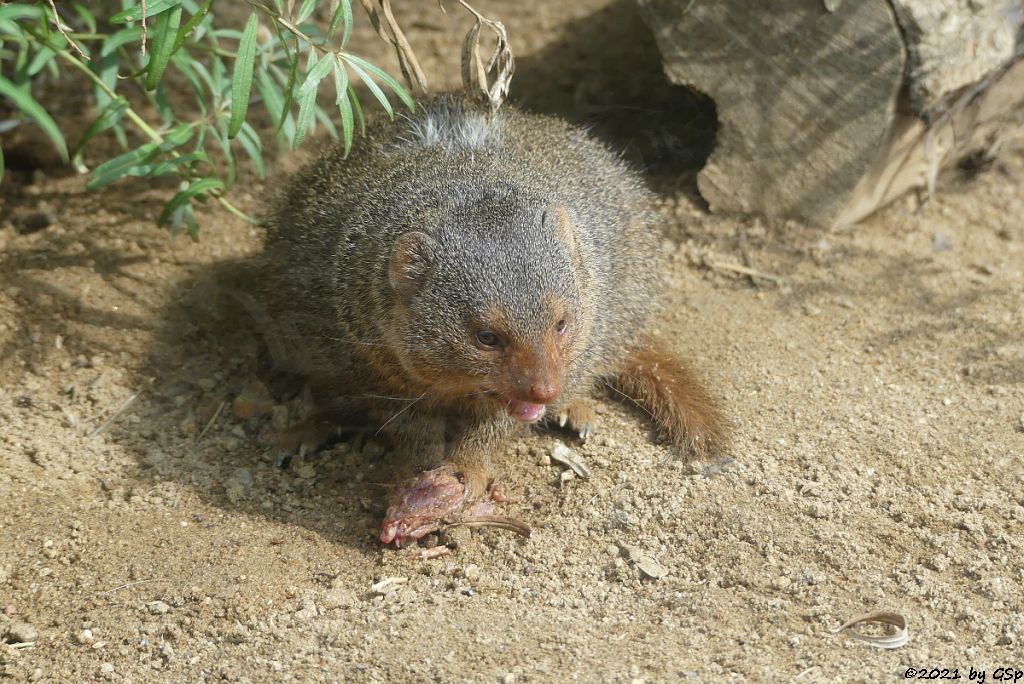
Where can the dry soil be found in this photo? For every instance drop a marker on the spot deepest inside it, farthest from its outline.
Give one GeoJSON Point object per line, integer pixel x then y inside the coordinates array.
{"type": "Point", "coordinates": [874, 378]}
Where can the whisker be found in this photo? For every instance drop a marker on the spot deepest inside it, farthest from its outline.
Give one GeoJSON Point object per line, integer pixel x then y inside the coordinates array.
{"type": "Point", "coordinates": [618, 391]}
{"type": "Point", "coordinates": [381, 396]}
{"type": "Point", "coordinates": [362, 343]}
{"type": "Point", "coordinates": [403, 410]}
{"type": "Point", "coordinates": [475, 394]}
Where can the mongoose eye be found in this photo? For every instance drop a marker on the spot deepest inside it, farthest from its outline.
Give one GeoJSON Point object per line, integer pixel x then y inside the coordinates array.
{"type": "Point", "coordinates": [560, 327]}
{"type": "Point", "coordinates": [488, 339]}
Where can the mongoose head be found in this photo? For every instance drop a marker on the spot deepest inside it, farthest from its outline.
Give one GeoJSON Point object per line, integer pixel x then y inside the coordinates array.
{"type": "Point", "coordinates": [488, 302]}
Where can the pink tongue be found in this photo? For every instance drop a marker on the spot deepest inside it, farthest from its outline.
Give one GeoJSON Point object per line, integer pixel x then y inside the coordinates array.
{"type": "Point", "coordinates": [525, 411]}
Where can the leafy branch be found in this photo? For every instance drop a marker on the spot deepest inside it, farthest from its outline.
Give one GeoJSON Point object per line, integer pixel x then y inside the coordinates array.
{"type": "Point", "coordinates": [285, 52]}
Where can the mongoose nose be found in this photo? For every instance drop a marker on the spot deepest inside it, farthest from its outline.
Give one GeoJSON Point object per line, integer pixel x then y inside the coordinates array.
{"type": "Point", "coordinates": [544, 391]}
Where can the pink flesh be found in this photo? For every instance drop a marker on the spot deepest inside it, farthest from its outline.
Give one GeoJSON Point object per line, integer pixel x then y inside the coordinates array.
{"type": "Point", "coordinates": [525, 411]}
{"type": "Point", "coordinates": [419, 509]}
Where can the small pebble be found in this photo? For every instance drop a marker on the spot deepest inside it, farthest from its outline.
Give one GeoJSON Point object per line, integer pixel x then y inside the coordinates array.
{"type": "Point", "coordinates": [158, 607]}
{"type": "Point", "coordinates": [242, 477]}
{"type": "Point", "coordinates": [21, 633]}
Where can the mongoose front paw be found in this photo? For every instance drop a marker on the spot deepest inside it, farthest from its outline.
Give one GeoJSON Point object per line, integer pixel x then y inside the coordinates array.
{"type": "Point", "coordinates": [580, 417]}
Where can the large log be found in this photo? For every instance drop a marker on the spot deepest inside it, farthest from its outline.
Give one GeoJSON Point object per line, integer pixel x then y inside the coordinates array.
{"type": "Point", "coordinates": [828, 109]}
{"type": "Point", "coordinates": [953, 44]}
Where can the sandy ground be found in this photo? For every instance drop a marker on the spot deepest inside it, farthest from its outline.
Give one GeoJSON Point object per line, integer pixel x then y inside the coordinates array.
{"type": "Point", "coordinates": [875, 382]}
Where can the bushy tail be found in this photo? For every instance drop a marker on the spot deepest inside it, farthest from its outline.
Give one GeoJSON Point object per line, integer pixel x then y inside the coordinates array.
{"type": "Point", "coordinates": [677, 400]}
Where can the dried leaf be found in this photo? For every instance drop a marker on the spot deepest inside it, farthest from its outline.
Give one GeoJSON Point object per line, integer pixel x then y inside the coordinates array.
{"type": "Point", "coordinates": [644, 562]}
{"type": "Point", "coordinates": [570, 459]}
{"type": "Point", "coordinates": [890, 641]}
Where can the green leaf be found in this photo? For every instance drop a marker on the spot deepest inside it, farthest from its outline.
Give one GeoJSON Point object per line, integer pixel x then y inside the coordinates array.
{"type": "Point", "coordinates": [121, 166]}
{"type": "Point", "coordinates": [220, 84]}
{"type": "Point", "coordinates": [86, 16]}
{"type": "Point", "coordinates": [344, 106]}
{"type": "Point", "coordinates": [317, 72]}
{"type": "Point", "coordinates": [135, 13]}
{"type": "Point", "coordinates": [357, 109]}
{"type": "Point", "coordinates": [185, 31]}
{"type": "Point", "coordinates": [241, 80]}
{"type": "Point", "coordinates": [384, 77]}
{"type": "Point", "coordinates": [184, 214]}
{"type": "Point", "coordinates": [284, 128]}
{"type": "Point", "coordinates": [163, 45]}
{"type": "Point", "coordinates": [230, 34]}
{"type": "Point", "coordinates": [9, 12]}
{"type": "Point", "coordinates": [110, 115]}
{"type": "Point", "coordinates": [171, 165]}
{"type": "Point", "coordinates": [177, 136]}
{"type": "Point", "coordinates": [307, 103]}
{"type": "Point", "coordinates": [107, 65]}
{"type": "Point", "coordinates": [190, 221]}
{"type": "Point", "coordinates": [30, 108]}
{"type": "Point", "coordinates": [342, 16]}
{"type": "Point", "coordinates": [305, 9]}
{"type": "Point", "coordinates": [194, 189]}
{"type": "Point", "coordinates": [374, 89]}
{"type": "Point", "coordinates": [273, 102]}
{"type": "Point", "coordinates": [201, 138]}
{"type": "Point", "coordinates": [125, 35]}
{"type": "Point", "coordinates": [288, 84]}
{"type": "Point", "coordinates": [20, 62]}
{"type": "Point", "coordinates": [159, 100]}
{"type": "Point", "coordinates": [221, 136]}
{"type": "Point", "coordinates": [184, 65]}
{"type": "Point", "coordinates": [41, 59]}
{"type": "Point", "coordinates": [253, 147]}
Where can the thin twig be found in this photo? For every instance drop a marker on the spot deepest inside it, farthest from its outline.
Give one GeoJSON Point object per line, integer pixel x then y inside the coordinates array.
{"type": "Point", "coordinates": [142, 48]}
{"type": "Point", "coordinates": [121, 409]}
{"type": "Point", "coordinates": [744, 270]}
{"type": "Point", "coordinates": [406, 57]}
{"type": "Point", "coordinates": [213, 419]}
{"type": "Point", "coordinates": [130, 584]}
{"type": "Point", "coordinates": [60, 27]}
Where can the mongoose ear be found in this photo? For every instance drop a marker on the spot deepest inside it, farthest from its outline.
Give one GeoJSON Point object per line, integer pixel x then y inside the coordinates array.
{"type": "Point", "coordinates": [557, 218]}
{"type": "Point", "coordinates": [411, 260]}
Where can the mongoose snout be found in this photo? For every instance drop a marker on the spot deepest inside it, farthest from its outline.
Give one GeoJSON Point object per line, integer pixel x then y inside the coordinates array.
{"type": "Point", "coordinates": [531, 393]}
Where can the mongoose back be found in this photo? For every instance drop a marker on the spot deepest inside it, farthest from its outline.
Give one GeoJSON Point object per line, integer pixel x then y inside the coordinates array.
{"type": "Point", "coordinates": [461, 274]}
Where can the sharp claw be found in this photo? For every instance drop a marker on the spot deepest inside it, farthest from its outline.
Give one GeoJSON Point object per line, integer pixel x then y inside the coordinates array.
{"type": "Point", "coordinates": [563, 418]}
{"type": "Point", "coordinates": [586, 431]}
